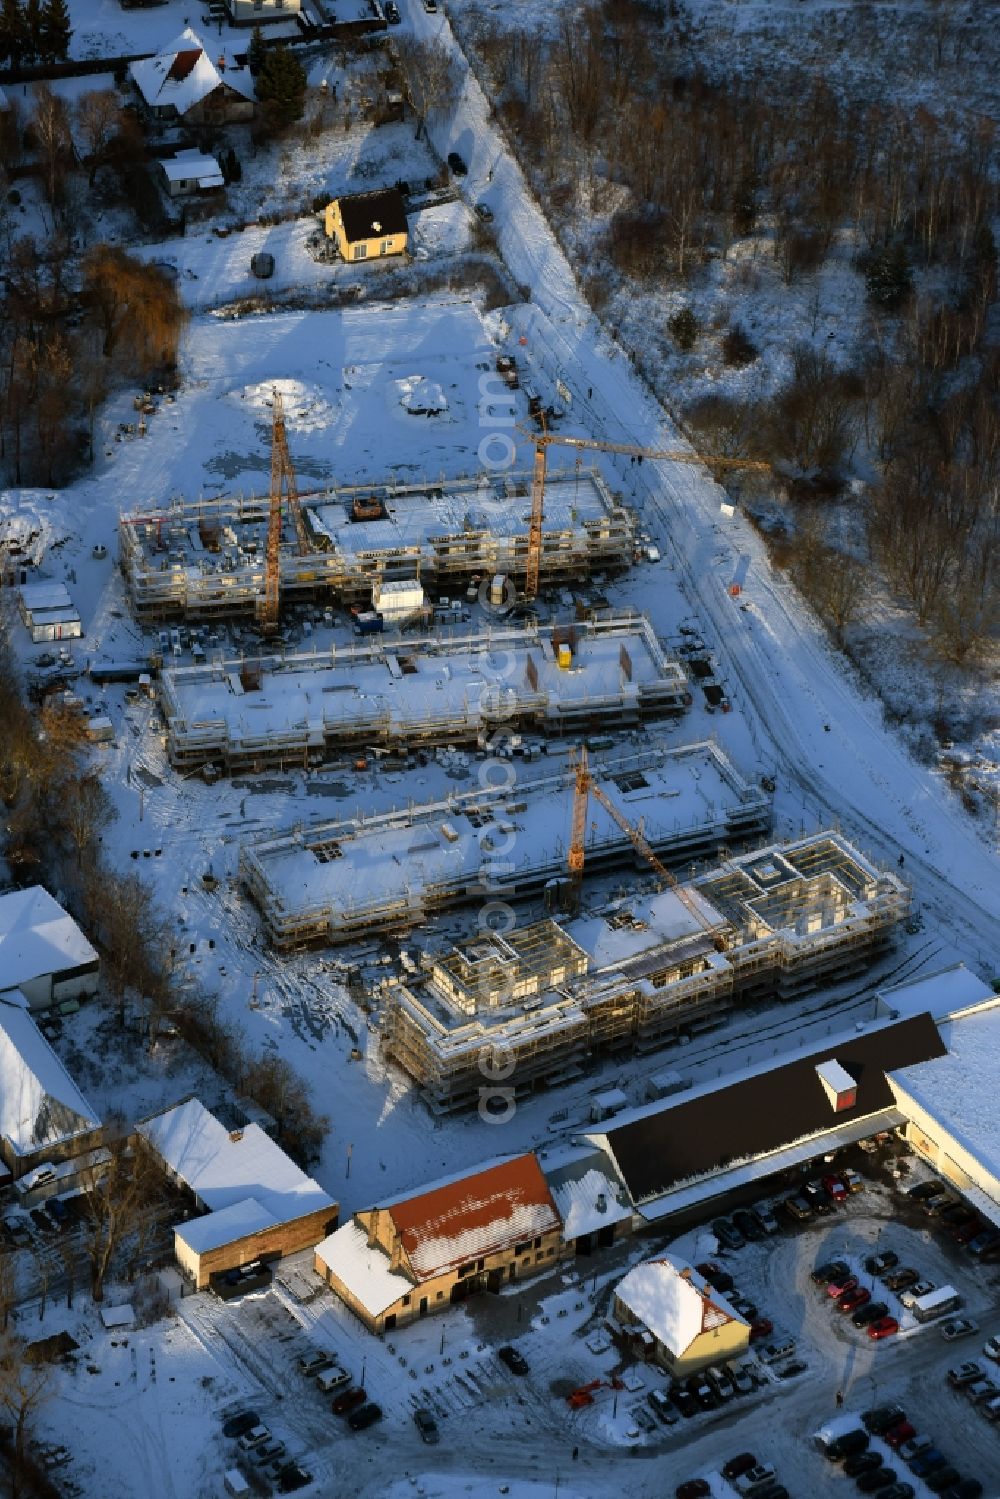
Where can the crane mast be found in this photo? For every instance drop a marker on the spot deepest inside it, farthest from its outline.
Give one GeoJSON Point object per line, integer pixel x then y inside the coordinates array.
{"type": "Point", "coordinates": [282, 480]}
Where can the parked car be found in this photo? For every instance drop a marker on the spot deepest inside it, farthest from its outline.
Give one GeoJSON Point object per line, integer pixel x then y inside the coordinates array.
{"type": "Point", "coordinates": [728, 1236]}
{"type": "Point", "coordinates": [914, 1447]}
{"type": "Point", "coordinates": [875, 1479]}
{"type": "Point", "coordinates": [484, 212]}
{"type": "Point", "coordinates": [742, 1382]}
{"type": "Point", "coordinates": [834, 1188]}
{"type": "Point", "coordinates": [979, 1243]}
{"type": "Point", "coordinates": [703, 1393]}
{"type": "Point", "coordinates": [840, 1284]}
{"type": "Point", "coordinates": [991, 1348]}
{"type": "Point", "coordinates": [747, 1225]}
{"type": "Point", "coordinates": [789, 1371]}
{"type": "Point", "coordinates": [720, 1382]}
{"type": "Point", "coordinates": [831, 1270]}
{"type": "Point", "coordinates": [771, 1352]}
{"type": "Point", "coordinates": [718, 1279]}
{"type": "Point", "coordinates": [964, 1233]}
{"type": "Point", "coordinates": [904, 1432]}
{"type": "Point", "coordinates": [427, 1426]}
{"type": "Point", "coordinates": [958, 1327]}
{"type": "Point", "coordinates": [883, 1328]}
{"type": "Point", "coordinates": [797, 1208]}
{"type": "Point", "coordinates": [292, 1477]}
{"type": "Point", "coordinates": [747, 1309]}
{"type": "Point", "coordinates": [982, 1390]}
{"type": "Point", "coordinates": [942, 1480]}
{"type": "Point", "coordinates": [862, 1462]}
{"type": "Point", "coordinates": [851, 1300]}
{"type": "Point", "coordinates": [516, 1362]}
{"type": "Point", "coordinates": [924, 1189]}
{"type": "Point", "coordinates": [877, 1264]}
{"type": "Point", "coordinates": [852, 1181]}
{"type": "Point", "coordinates": [268, 1452]}
{"type": "Point", "coordinates": [349, 1400]}
{"type": "Point", "coordinates": [882, 1418]}
{"type": "Point", "coordinates": [457, 165]}
{"type": "Point", "coordinates": [253, 1438]}
{"type": "Point", "coordinates": [741, 1463]}
{"type": "Point", "coordinates": [897, 1491]}
{"type": "Point", "coordinates": [392, 13]}
{"type": "Point", "coordinates": [764, 1214]}
{"type": "Point", "coordinates": [965, 1488]}
{"type": "Point", "coordinates": [659, 1400]}
{"type": "Point", "coordinates": [755, 1478]}
{"type": "Point", "coordinates": [760, 1327]}
{"type": "Point", "coordinates": [966, 1373]}
{"type": "Point", "coordinates": [917, 1291]}
{"type": "Point", "coordinates": [928, 1462]}
{"type": "Point", "coordinates": [870, 1313]}
{"type": "Point", "coordinates": [899, 1280]}
{"type": "Point", "coordinates": [935, 1206]}
{"type": "Point", "coordinates": [360, 1420]}
{"type": "Point", "coordinates": [315, 1363]}
{"type": "Point", "coordinates": [694, 1488]}
{"type": "Point", "coordinates": [847, 1444]}
{"type": "Point", "coordinates": [242, 1422]}
{"type": "Point", "coordinates": [684, 1400]}
{"type": "Point", "coordinates": [430, 6]}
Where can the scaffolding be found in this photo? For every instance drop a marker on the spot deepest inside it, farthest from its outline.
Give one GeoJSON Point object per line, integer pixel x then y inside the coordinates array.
{"type": "Point", "coordinates": [274, 710]}
{"type": "Point", "coordinates": [794, 918]}
{"type": "Point", "coordinates": [340, 880]}
{"type": "Point", "coordinates": [205, 559]}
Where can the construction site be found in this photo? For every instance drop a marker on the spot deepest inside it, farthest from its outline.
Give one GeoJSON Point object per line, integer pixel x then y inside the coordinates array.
{"type": "Point", "coordinates": [337, 881]}
{"type": "Point", "coordinates": [554, 680]}
{"type": "Point", "coordinates": [641, 973]}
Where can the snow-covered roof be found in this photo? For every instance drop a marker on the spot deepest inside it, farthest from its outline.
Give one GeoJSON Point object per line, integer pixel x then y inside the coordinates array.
{"type": "Point", "coordinates": [183, 74]}
{"type": "Point", "coordinates": [189, 166]}
{"type": "Point", "coordinates": [363, 1272]}
{"type": "Point", "coordinates": [38, 937]}
{"type": "Point", "coordinates": [588, 1193]}
{"type": "Point", "coordinates": [40, 1104]}
{"type": "Point", "coordinates": [226, 1168]}
{"type": "Point", "coordinates": [224, 1227]}
{"type": "Point", "coordinates": [474, 1216]}
{"type": "Point", "coordinates": [118, 1316]}
{"type": "Point", "coordinates": [943, 994]}
{"type": "Point", "coordinates": [673, 1302]}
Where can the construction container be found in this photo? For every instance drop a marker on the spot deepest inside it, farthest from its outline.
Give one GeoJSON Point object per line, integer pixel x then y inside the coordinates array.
{"type": "Point", "coordinates": [498, 587]}
{"type": "Point", "coordinates": [564, 656]}
{"type": "Point", "coordinates": [398, 599]}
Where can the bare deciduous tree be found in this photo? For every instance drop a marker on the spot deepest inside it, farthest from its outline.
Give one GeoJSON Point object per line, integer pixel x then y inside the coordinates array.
{"type": "Point", "coordinates": [431, 76]}
{"type": "Point", "coordinates": [98, 120]}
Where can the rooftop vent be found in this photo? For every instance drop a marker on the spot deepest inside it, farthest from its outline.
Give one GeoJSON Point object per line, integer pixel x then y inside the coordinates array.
{"type": "Point", "coordinates": [838, 1085]}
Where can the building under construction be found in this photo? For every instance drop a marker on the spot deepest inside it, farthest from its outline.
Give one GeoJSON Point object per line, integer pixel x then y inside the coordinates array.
{"type": "Point", "coordinates": [641, 974]}
{"type": "Point", "coordinates": [340, 880]}
{"type": "Point", "coordinates": [207, 559]}
{"type": "Point", "coordinates": [553, 680]}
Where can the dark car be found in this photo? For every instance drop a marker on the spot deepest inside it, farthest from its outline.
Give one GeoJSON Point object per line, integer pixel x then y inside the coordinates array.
{"type": "Point", "coordinates": [924, 1189]}
{"type": "Point", "coordinates": [832, 1270]}
{"type": "Point", "coordinates": [293, 1477]}
{"type": "Point", "coordinates": [881, 1418]}
{"type": "Point", "coordinates": [392, 13]}
{"type": "Point", "coordinates": [718, 1279]}
{"type": "Point", "coordinates": [238, 1425]}
{"type": "Point", "coordinates": [877, 1264]}
{"type": "Point", "coordinates": [456, 164]}
{"type": "Point", "coordinates": [348, 1401]}
{"type": "Point", "coordinates": [427, 1427]}
{"type": "Point", "coordinates": [964, 1233]}
{"type": "Point", "coordinates": [877, 1478]}
{"type": "Point", "coordinates": [929, 1461]}
{"type": "Point", "coordinates": [695, 1488]}
{"type": "Point", "coordinates": [901, 1280]}
{"type": "Point", "coordinates": [728, 1236]}
{"type": "Point", "coordinates": [873, 1312]}
{"type": "Point", "coordinates": [848, 1444]}
{"type": "Point", "coordinates": [773, 1491]}
{"type": "Point", "coordinates": [742, 1463]}
{"type": "Point", "coordinates": [484, 212]}
{"type": "Point", "coordinates": [943, 1479]}
{"type": "Point", "coordinates": [897, 1491]}
{"type": "Point", "coordinates": [516, 1362]}
{"type": "Point", "coordinates": [684, 1400]}
{"type": "Point", "coordinates": [965, 1488]}
{"type": "Point", "coordinates": [790, 1370]}
{"type": "Point", "coordinates": [797, 1208]}
{"type": "Point", "coordinates": [702, 1391]}
{"type": "Point", "coordinates": [862, 1462]}
{"type": "Point", "coordinates": [367, 1416]}
{"type": "Point", "coordinates": [748, 1225]}
{"type": "Point", "coordinates": [760, 1327]}
{"type": "Point", "coordinates": [983, 1241]}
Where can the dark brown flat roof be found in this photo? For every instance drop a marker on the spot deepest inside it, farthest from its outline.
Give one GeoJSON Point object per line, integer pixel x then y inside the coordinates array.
{"type": "Point", "coordinates": [766, 1111]}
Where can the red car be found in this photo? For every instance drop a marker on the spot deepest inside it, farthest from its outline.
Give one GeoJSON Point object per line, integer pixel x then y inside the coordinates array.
{"type": "Point", "coordinates": [348, 1401]}
{"type": "Point", "coordinates": [834, 1188]}
{"type": "Point", "coordinates": [761, 1328]}
{"type": "Point", "coordinates": [900, 1434]}
{"type": "Point", "coordinates": [851, 1300]}
{"type": "Point", "coordinates": [838, 1286]}
{"type": "Point", "coordinates": [883, 1328]}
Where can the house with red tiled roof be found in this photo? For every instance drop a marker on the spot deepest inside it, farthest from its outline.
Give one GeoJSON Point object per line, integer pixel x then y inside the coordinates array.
{"type": "Point", "coordinates": [184, 82]}
{"type": "Point", "coordinates": [407, 1258]}
{"type": "Point", "coordinates": [668, 1311]}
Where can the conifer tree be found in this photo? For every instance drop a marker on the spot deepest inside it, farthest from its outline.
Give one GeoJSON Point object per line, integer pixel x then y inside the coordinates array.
{"type": "Point", "coordinates": [55, 31]}
{"type": "Point", "coordinates": [281, 88]}
{"type": "Point", "coordinates": [13, 34]}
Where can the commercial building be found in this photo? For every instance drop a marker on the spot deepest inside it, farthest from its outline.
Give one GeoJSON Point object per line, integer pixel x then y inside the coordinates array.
{"type": "Point", "coordinates": [204, 559]}
{"type": "Point", "coordinates": [48, 612]}
{"type": "Point", "coordinates": [671, 1314]}
{"type": "Point", "coordinates": [413, 1256]}
{"type": "Point", "coordinates": [556, 681]}
{"type": "Point", "coordinates": [338, 880]}
{"type": "Point", "coordinates": [256, 1204]}
{"type": "Point", "coordinates": [642, 973]}
{"type": "Point", "coordinates": [367, 226]}
{"type": "Point", "coordinates": [43, 952]}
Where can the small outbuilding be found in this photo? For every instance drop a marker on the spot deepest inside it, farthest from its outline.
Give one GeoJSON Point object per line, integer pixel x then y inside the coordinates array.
{"type": "Point", "coordinates": [188, 173]}
{"type": "Point", "coordinates": [368, 226]}
{"type": "Point", "coordinates": [43, 952]}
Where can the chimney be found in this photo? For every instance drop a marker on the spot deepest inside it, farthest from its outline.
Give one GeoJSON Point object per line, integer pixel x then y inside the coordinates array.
{"type": "Point", "coordinates": [602, 1203]}
{"type": "Point", "coordinates": [376, 226]}
{"type": "Point", "coordinates": [839, 1086]}
{"type": "Point", "coordinates": [235, 1136]}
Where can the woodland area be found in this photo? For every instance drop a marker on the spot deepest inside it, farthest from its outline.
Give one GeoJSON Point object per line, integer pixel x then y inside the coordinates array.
{"type": "Point", "coordinates": [669, 168]}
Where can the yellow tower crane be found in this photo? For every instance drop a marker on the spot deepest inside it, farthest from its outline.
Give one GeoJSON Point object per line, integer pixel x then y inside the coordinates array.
{"type": "Point", "coordinates": [282, 478]}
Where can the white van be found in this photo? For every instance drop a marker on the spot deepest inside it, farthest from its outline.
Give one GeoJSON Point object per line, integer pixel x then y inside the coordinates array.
{"type": "Point", "coordinates": [937, 1304]}
{"type": "Point", "coordinates": [36, 1178]}
{"type": "Point", "coordinates": [332, 1379]}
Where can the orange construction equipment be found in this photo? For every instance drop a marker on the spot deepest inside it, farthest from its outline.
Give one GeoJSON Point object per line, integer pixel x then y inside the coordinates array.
{"type": "Point", "coordinates": [544, 439]}
{"type": "Point", "coordinates": [282, 477]}
{"type": "Point", "coordinates": [586, 787]}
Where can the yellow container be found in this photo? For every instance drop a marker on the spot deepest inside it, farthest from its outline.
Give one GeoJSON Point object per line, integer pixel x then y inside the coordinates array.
{"type": "Point", "coordinates": [564, 656]}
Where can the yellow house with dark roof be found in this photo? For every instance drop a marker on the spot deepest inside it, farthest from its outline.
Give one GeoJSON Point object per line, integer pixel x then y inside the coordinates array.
{"type": "Point", "coordinates": [368, 226]}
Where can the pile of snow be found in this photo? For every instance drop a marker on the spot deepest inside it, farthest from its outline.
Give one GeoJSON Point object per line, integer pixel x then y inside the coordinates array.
{"type": "Point", "coordinates": [420, 396]}
{"type": "Point", "coordinates": [307, 407]}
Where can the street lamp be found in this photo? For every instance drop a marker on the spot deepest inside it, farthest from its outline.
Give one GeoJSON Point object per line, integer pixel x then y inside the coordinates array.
{"type": "Point", "coordinates": [364, 1361]}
